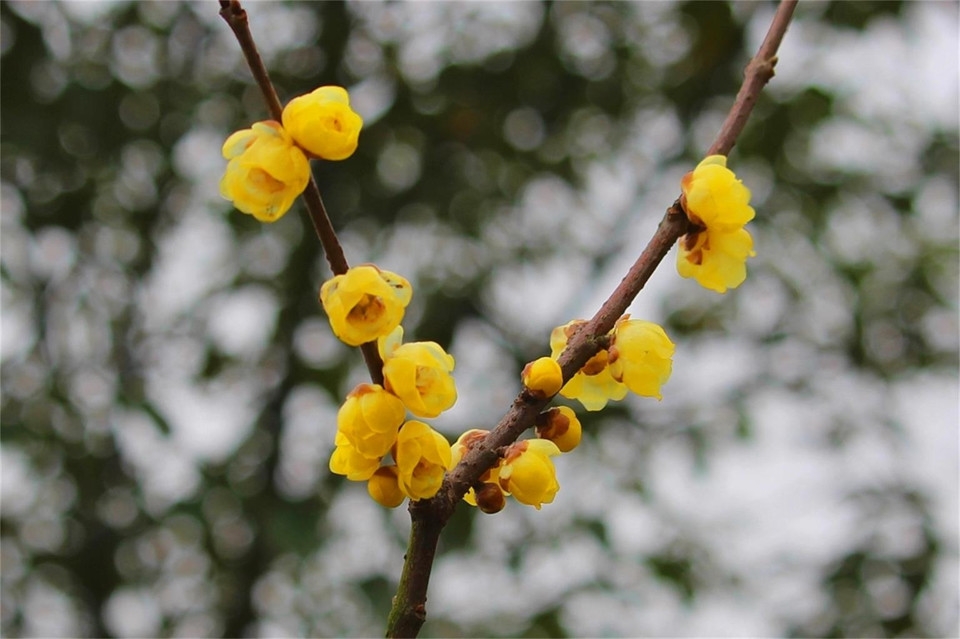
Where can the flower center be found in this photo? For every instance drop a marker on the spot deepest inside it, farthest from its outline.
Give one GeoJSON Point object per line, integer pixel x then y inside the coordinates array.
{"type": "Point", "coordinates": [263, 181]}
{"type": "Point", "coordinates": [368, 309]}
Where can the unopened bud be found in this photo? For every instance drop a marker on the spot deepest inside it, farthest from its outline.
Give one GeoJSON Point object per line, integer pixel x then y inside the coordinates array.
{"type": "Point", "coordinates": [543, 376]}
{"type": "Point", "coordinates": [490, 499]}
{"type": "Point", "coordinates": [561, 426]}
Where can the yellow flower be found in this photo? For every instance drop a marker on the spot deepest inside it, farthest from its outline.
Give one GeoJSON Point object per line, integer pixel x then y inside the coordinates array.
{"type": "Point", "coordinates": [641, 356]}
{"type": "Point", "coordinates": [717, 202]}
{"type": "Point", "coordinates": [266, 171]}
{"type": "Point", "coordinates": [593, 385]}
{"type": "Point", "coordinates": [418, 373]}
{"type": "Point", "coordinates": [364, 303]}
{"type": "Point", "coordinates": [561, 426]}
{"type": "Point", "coordinates": [543, 376]}
{"type": "Point", "coordinates": [347, 460]}
{"type": "Point", "coordinates": [423, 456]}
{"type": "Point", "coordinates": [489, 485]}
{"type": "Point", "coordinates": [384, 487]}
{"type": "Point", "coordinates": [465, 442]}
{"type": "Point", "coordinates": [527, 472]}
{"type": "Point", "coordinates": [323, 123]}
{"type": "Point", "coordinates": [370, 418]}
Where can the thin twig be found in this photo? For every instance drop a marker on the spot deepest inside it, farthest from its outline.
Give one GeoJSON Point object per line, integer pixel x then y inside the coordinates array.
{"type": "Point", "coordinates": [236, 18]}
{"type": "Point", "coordinates": [430, 516]}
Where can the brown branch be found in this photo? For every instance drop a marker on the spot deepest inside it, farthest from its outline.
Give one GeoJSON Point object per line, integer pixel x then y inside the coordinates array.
{"type": "Point", "coordinates": [759, 71]}
{"type": "Point", "coordinates": [430, 516]}
{"type": "Point", "coordinates": [236, 17]}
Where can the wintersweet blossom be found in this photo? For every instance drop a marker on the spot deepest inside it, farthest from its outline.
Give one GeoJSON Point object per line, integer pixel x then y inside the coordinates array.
{"type": "Point", "coordinates": [370, 418]}
{"type": "Point", "coordinates": [593, 385]}
{"type": "Point", "coordinates": [348, 461]}
{"type": "Point", "coordinates": [543, 376]}
{"type": "Point", "coordinates": [561, 426]}
{"type": "Point", "coordinates": [418, 373]}
{"type": "Point", "coordinates": [323, 123]}
{"type": "Point", "coordinates": [641, 356]}
{"type": "Point", "coordinates": [266, 171]}
{"type": "Point", "coordinates": [365, 303]}
{"type": "Point", "coordinates": [715, 254]}
{"type": "Point", "coordinates": [527, 472]}
{"type": "Point", "coordinates": [423, 456]}
{"type": "Point", "coordinates": [384, 487]}
{"type": "Point", "coordinates": [488, 484]}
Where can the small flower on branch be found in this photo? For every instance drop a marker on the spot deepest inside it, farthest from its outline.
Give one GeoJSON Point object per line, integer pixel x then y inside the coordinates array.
{"type": "Point", "coordinates": [266, 172]}
{"type": "Point", "coordinates": [365, 303]}
{"type": "Point", "coordinates": [423, 456]}
{"type": "Point", "coordinates": [419, 373]}
{"type": "Point", "coordinates": [718, 205]}
{"type": "Point", "coordinates": [528, 473]}
{"type": "Point", "coordinates": [323, 123]}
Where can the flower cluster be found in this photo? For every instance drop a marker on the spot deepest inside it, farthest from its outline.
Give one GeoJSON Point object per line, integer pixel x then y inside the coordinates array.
{"type": "Point", "coordinates": [366, 304]}
{"type": "Point", "coordinates": [268, 163]}
{"type": "Point", "coordinates": [268, 167]}
{"type": "Point", "coordinates": [718, 204]}
{"type": "Point", "coordinates": [639, 358]}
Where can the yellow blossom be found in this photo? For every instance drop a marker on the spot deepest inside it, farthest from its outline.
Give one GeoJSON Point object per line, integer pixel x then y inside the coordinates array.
{"type": "Point", "coordinates": [347, 460]}
{"type": "Point", "coordinates": [718, 203]}
{"type": "Point", "coordinates": [593, 385]}
{"type": "Point", "coordinates": [365, 303]}
{"type": "Point", "coordinates": [561, 426]}
{"type": "Point", "coordinates": [527, 472]}
{"type": "Point", "coordinates": [641, 356]}
{"type": "Point", "coordinates": [543, 376]}
{"type": "Point", "coordinates": [418, 373]}
{"type": "Point", "coordinates": [370, 418]}
{"type": "Point", "coordinates": [384, 487]}
{"type": "Point", "coordinates": [423, 456]}
{"type": "Point", "coordinates": [466, 442]}
{"type": "Point", "coordinates": [486, 499]}
{"type": "Point", "coordinates": [266, 171]}
{"type": "Point", "coordinates": [323, 123]}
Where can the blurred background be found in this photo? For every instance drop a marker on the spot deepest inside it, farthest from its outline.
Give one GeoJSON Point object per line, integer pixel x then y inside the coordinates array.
{"type": "Point", "coordinates": [170, 382]}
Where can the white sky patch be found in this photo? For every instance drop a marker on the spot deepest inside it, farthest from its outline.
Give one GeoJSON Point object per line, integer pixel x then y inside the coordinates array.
{"type": "Point", "coordinates": [194, 258]}
{"type": "Point", "coordinates": [207, 422]}
{"type": "Point", "coordinates": [309, 430]}
{"type": "Point", "coordinates": [869, 67]}
{"type": "Point", "coordinates": [242, 321]}
{"type": "Point", "coordinates": [927, 406]}
{"type": "Point", "coordinates": [166, 475]}
{"type": "Point", "coordinates": [484, 389]}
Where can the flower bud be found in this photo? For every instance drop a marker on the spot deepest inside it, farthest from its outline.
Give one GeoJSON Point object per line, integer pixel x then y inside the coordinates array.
{"type": "Point", "coordinates": [490, 498]}
{"type": "Point", "coordinates": [543, 377]}
{"type": "Point", "coordinates": [323, 123]}
{"type": "Point", "coordinates": [561, 426]}
{"type": "Point", "coordinates": [384, 487]}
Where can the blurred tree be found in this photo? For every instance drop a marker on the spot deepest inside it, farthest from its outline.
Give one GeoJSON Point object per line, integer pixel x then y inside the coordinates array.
{"type": "Point", "coordinates": [170, 384]}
